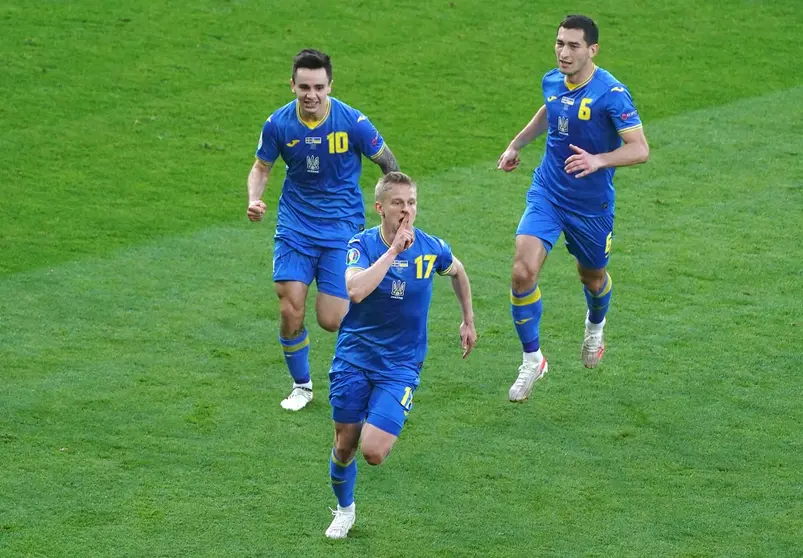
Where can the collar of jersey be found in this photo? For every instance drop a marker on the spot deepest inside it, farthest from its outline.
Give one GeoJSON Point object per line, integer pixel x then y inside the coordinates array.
{"type": "Point", "coordinates": [382, 236]}
{"type": "Point", "coordinates": [572, 87]}
{"type": "Point", "coordinates": [313, 125]}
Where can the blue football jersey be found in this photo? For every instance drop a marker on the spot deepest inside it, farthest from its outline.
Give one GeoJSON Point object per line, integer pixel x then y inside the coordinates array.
{"type": "Point", "coordinates": [591, 116]}
{"type": "Point", "coordinates": [386, 333]}
{"type": "Point", "coordinates": [321, 204]}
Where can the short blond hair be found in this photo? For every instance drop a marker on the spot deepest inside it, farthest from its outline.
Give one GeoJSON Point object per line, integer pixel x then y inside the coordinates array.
{"type": "Point", "coordinates": [387, 182]}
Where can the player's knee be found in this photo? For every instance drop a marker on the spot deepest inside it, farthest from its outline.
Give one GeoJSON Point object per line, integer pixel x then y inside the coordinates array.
{"type": "Point", "coordinates": [344, 452]}
{"type": "Point", "coordinates": [292, 313]}
{"type": "Point", "coordinates": [374, 455]}
{"type": "Point", "coordinates": [523, 276]}
{"type": "Point", "coordinates": [594, 282]}
{"type": "Point", "coordinates": [329, 322]}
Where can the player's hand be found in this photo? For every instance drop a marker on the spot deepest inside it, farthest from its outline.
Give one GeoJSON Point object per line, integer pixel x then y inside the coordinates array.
{"type": "Point", "coordinates": [468, 337]}
{"type": "Point", "coordinates": [404, 236]}
{"type": "Point", "coordinates": [509, 160]}
{"type": "Point", "coordinates": [256, 210]}
{"type": "Point", "coordinates": [582, 162]}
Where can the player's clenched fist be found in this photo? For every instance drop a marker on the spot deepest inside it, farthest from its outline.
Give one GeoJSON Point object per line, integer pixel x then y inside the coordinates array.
{"type": "Point", "coordinates": [256, 210]}
{"type": "Point", "coordinates": [509, 160]}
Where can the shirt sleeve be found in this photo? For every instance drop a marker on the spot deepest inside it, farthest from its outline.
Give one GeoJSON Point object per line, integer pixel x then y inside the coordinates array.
{"type": "Point", "coordinates": [357, 255]}
{"type": "Point", "coordinates": [367, 138]}
{"type": "Point", "coordinates": [268, 147]}
{"type": "Point", "coordinates": [621, 109]}
{"type": "Point", "coordinates": [443, 265]}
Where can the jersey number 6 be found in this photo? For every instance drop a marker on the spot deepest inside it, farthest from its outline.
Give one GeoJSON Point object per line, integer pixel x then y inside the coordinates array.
{"type": "Point", "coordinates": [585, 111]}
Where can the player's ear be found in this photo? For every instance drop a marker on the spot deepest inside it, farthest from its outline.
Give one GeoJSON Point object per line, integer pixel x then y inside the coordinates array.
{"type": "Point", "coordinates": [292, 85]}
{"type": "Point", "coordinates": [593, 50]}
{"type": "Point", "coordinates": [378, 208]}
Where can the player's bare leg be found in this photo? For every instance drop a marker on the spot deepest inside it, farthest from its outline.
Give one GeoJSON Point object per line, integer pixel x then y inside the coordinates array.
{"type": "Point", "coordinates": [295, 344]}
{"type": "Point", "coordinates": [330, 311]}
{"type": "Point", "coordinates": [598, 288]}
{"type": "Point", "coordinates": [347, 437]}
{"type": "Point", "coordinates": [376, 444]}
{"type": "Point", "coordinates": [526, 308]}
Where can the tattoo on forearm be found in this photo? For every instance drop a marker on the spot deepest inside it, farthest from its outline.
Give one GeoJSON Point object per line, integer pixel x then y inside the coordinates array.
{"type": "Point", "coordinates": [386, 161]}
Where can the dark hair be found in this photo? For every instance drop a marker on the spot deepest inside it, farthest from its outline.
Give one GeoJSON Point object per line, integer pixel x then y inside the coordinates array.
{"type": "Point", "coordinates": [312, 60]}
{"type": "Point", "coordinates": [577, 21]}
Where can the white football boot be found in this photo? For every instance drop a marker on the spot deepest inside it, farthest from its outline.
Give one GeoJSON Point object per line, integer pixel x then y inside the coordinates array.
{"type": "Point", "coordinates": [529, 373]}
{"type": "Point", "coordinates": [342, 523]}
{"type": "Point", "coordinates": [593, 344]}
{"type": "Point", "coordinates": [298, 399]}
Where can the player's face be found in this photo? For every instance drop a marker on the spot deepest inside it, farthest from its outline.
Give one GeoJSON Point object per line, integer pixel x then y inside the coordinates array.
{"type": "Point", "coordinates": [311, 87]}
{"type": "Point", "coordinates": [574, 55]}
{"type": "Point", "coordinates": [397, 204]}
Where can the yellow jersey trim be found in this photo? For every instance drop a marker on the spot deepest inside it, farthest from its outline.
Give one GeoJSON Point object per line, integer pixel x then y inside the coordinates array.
{"type": "Point", "coordinates": [572, 86]}
{"type": "Point", "coordinates": [382, 236]}
{"type": "Point", "coordinates": [630, 129]}
{"type": "Point", "coordinates": [297, 347]}
{"type": "Point", "coordinates": [378, 153]}
{"type": "Point", "coordinates": [261, 160]}
{"type": "Point", "coordinates": [531, 298]}
{"type": "Point", "coordinates": [447, 270]}
{"type": "Point", "coordinates": [315, 124]}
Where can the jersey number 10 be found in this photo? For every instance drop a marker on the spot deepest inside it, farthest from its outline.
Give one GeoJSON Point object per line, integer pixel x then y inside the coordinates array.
{"type": "Point", "coordinates": [338, 142]}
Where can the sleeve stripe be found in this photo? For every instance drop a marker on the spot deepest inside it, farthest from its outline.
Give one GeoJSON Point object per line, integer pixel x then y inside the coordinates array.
{"type": "Point", "coordinates": [378, 153]}
{"type": "Point", "coordinates": [355, 267]}
{"type": "Point", "coordinates": [447, 270]}
{"type": "Point", "coordinates": [265, 161]}
{"type": "Point", "coordinates": [631, 128]}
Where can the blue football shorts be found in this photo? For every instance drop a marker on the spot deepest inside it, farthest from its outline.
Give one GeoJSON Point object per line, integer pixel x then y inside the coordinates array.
{"type": "Point", "coordinates": [327, 266]}
{"type": "Point", "coordinates": [587, 238]}
{"type": "Point", "coordinates": [358, 395]}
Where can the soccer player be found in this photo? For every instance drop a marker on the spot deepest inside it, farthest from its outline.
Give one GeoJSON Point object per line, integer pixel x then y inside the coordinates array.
{"type": "Point", "coordinates": [321, 141]}
{"type": "Point", "coordinates": [382, 341]}
{"type": "Point", "coordinates": [592, 127]}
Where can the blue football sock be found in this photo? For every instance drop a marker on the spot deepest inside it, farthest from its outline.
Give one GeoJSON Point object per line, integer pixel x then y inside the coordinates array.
{"type": "Point", "coordinates": [599, 302]}
{"type": "Point", "coordinates": [296, 355]}
{"type": "Point", "coordinates": [344, 478]}
{"type": "Point", "coordinates": [526, 309]}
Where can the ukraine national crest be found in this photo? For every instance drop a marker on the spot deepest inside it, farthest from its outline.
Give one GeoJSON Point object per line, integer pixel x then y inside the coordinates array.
{"type": "Point", "coordinates": [397, 289]}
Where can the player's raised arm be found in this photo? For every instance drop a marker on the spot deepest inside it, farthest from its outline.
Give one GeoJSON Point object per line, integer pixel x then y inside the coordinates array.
{"type": "Point", "coordinates": [362, 282]}
{"type": "Point", "coordinates": [462, 289]}
{"type": "Point", "coordinates": [509, 160]}
{"type": "Point", "coordinates": [257, 179]}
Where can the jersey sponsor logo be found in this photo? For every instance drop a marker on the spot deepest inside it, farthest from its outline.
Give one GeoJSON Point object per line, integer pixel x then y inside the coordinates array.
{"type": "Point", "coordinates": [551, 98]}
{"type": "Point", "coordinates": [631, 114]}
{"type": "Point", "coordinates": [361, 118]}
{"type": "Point", "coordinates": [352, 256]}
{"type": "Point", "coordinates": [618, 89]}
{"type": "Point", "coordinates": [567, 101]}
{"type": "Point", "coordinates": [522, 322]}
{"type": "Point", "coordinates": [397, 289]}
{"type": "Point", "coordinates": [313, 163]}
{"type": "Point", "coordinates": [563, 125]}
{"type": "Point", "coordinates": [292, 143]}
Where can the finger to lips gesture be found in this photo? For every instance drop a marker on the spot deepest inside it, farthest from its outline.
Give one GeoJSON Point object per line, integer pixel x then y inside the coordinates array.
{"type": "Point", "coordinates": [581, 162]}
{"type": "Point", "coordinates": [404, 236]}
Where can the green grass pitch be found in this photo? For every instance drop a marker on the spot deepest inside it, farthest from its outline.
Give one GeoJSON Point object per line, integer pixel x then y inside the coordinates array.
{"type": "Point", "coordinates": [140, 373]}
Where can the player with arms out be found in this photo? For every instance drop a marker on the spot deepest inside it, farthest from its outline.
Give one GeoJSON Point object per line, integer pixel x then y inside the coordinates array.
{"type": "Point", "coordinates": [592, 127]}
{"type": "Point", "coordinates": [321, 141]}
{"type": "Point", "coordinates": [382, 341]}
